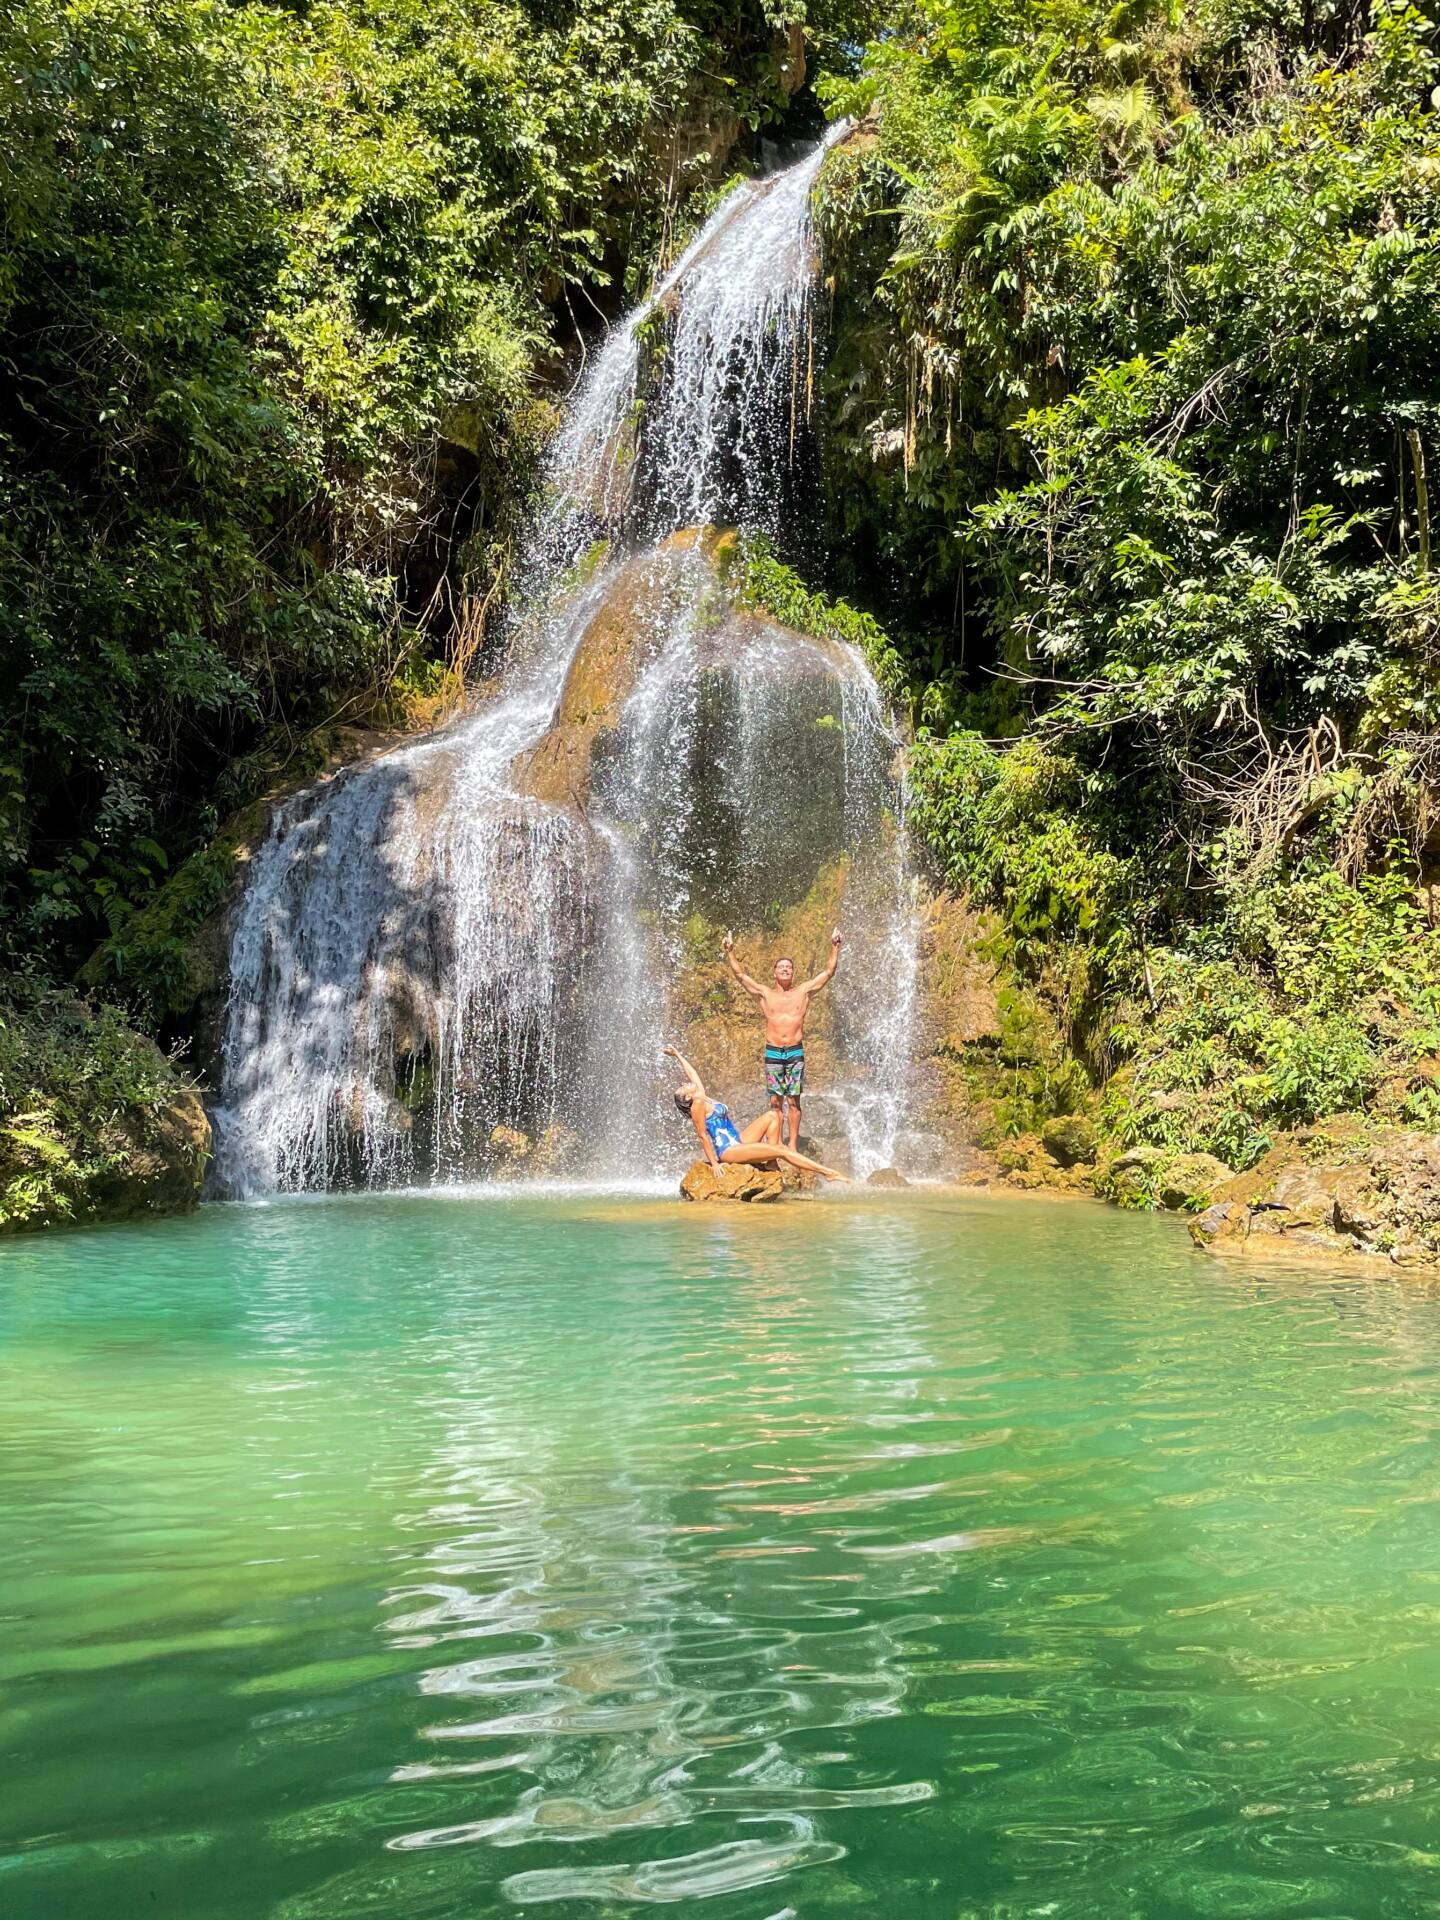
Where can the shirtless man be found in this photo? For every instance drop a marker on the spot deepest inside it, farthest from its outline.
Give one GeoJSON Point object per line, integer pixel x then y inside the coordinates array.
{"type": "Point", "coordinates": [785, 1006]}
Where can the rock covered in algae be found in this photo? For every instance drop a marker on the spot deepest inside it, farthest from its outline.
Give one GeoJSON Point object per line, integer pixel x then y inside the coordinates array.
{"type": "Point", "coordinates": [1070, 1139]}
{"type": "Point", "coordinates": [706, 1183]}
{"type": "Point", "coordinates": [1191, 1180]}
{"type": "Point", "coordinates": [158, 1160]}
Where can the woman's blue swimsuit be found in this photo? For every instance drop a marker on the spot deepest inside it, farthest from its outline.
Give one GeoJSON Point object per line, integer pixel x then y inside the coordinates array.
{"type": "Point", "coordinates": [721, 1128]}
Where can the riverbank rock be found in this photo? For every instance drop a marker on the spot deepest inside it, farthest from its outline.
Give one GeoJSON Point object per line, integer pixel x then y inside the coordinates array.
{"type": "Point", "coordinates": [1192, 1180]}
{"type": "Point", "coordinates": [887, 1177]}
{"type": "Point", "coordinates": [1025, 1162]}
{"type": "Point", "coordinates": [155, 1161]}
{"type": "Point", "coordinates": [957, 1030]}
{"type": "Point", "coordinates": [1159, 1177]}
{"type": "Point", "coordinates": [1341, 1188]}
{"type": "Point", "coordinates": [706, 1183]}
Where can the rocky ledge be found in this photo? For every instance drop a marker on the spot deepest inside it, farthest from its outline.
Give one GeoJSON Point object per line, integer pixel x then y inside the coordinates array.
{"type": "Point", "coordinates": [1341, 1187]}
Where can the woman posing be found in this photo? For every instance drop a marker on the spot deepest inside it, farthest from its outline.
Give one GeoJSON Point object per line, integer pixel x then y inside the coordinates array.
{"type": "Point", "coordinates": [723, 1142]}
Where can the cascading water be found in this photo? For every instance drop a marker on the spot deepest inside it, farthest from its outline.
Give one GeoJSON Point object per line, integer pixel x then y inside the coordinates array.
{"type": "Point", "coordinates": [720, 433]}
{"type": "Point", "coordinates": [463, 948]}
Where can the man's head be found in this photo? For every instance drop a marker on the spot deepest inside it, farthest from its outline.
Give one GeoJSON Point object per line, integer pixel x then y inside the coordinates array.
{"type": "Point", "coordinates": [784, 973]}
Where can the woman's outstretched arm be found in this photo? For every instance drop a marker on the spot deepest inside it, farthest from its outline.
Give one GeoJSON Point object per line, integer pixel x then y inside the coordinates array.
{"type": "Point", "coordinates": [696, 1089]}
{"type": "Point", "coordinates": [690, 1074]}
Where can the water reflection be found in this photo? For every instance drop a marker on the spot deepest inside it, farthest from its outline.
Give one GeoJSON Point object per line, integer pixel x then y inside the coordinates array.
{"type": "Point", "coordinates": [633, 1649]}
{"type": "Point", "coordinates": [932, 1556]}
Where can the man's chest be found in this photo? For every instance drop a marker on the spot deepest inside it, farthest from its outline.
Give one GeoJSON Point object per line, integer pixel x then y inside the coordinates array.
{"type": "Point", "coordinates": [785, 1005]}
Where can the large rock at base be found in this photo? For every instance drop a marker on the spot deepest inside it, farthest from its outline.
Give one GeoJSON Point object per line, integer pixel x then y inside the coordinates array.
{"type": "Point", "coordinates": [158, 1161]}
{"type": "Point", "coordinates": [95, 1121]}
{"type": "Point", "coordinates": [706, 1183]}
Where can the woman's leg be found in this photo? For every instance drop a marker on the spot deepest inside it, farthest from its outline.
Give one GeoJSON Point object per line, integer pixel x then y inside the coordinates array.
{"type": "Point", "coordinates": [757, 1155]}
{"type": "Point", "coordinates": [811, 1166]}
{"type": "Point", "coordinates": [763, 1130]}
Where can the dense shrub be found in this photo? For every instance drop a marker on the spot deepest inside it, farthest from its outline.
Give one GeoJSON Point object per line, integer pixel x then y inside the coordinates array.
{"type": "Point", "coordinates": [87, 1113]}
{"type": "Point", "coordinates": [1134, 399]}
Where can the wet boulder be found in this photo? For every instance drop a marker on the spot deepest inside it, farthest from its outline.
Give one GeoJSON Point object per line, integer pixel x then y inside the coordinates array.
{"type": "Point", "coordinates": [708, 1184]}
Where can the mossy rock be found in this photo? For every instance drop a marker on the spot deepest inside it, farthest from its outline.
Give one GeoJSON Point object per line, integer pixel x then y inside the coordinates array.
{"type": "Point", "coordinates": [1070, 1138]}
{"type": "Point", "coordinates": [1343, 1187]}
{"type": "Point", "coordinates": [1132, 1178]}
{"type": "Point", "coordinates": [1191, 1181]}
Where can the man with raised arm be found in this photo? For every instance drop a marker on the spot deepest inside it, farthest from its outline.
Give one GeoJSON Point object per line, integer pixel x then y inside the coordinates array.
{"type": "Point", "coordinates": [785, 1006]}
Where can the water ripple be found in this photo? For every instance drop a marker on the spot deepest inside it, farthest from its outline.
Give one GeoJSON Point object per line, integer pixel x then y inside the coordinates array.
{"type": "Point", "coordinates": [955, 1558]}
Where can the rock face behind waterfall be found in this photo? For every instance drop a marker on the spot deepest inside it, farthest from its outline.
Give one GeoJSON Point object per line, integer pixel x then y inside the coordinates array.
{"type": "Point", "coordinates": [525, 910]}
{"type": "Point", "coordinates": [623, 636]}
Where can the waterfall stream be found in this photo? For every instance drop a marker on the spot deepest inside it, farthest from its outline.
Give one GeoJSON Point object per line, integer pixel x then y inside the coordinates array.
{"type": "Point", "coordinates": [460, 954]}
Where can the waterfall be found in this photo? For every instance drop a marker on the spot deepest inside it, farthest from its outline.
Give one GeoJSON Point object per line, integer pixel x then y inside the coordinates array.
{"type": "Point", "coordinates": [715, 444]}
{"type": "Point", "coordinates": [459, 955]}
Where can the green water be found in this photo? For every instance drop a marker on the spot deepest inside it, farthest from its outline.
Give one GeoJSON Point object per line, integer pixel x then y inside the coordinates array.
{"type": "Point", "coordinates": [420, 1558]}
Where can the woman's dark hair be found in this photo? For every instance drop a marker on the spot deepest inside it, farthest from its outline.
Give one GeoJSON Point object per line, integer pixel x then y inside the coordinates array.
{"type": "Point", "coordinates": [682, 1102]}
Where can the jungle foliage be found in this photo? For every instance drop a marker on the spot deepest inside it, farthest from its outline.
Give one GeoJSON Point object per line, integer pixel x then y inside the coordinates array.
{"type": "Point", "coordinates": [94, 1120]}
{"type": "Point", "coordinates": [1129, 423]}
{"type": "Point", "coordinates": [1134, 404]}
{"type": "Point", "coordinates": [283, 293]}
